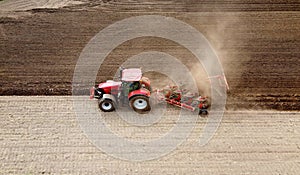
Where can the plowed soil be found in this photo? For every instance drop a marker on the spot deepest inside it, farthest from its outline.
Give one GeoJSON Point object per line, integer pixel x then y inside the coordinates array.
{"type": "Point", "coordinates": [257, 41]}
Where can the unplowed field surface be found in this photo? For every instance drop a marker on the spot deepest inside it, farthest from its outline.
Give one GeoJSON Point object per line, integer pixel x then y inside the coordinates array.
{"type": "Point", "coordinates": [41, 135]}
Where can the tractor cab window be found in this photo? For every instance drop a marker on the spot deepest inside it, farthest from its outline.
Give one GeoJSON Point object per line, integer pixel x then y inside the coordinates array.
{"type": "Point", "coordinates": [134, 86]}
{"type": "Point", "coordinates": [130, 86]}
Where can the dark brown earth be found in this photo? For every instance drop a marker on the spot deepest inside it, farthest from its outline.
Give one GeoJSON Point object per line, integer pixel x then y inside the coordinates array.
{"type": "Point", "coordinates": [257, 41]}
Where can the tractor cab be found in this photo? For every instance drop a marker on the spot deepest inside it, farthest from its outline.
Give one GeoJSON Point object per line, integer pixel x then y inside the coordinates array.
{"type": "Point", "coordinates": [132, 79]}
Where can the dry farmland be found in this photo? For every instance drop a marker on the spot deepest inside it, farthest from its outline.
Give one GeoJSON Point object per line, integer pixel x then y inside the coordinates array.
{"type": "Point", "coordinates": [257, 42]}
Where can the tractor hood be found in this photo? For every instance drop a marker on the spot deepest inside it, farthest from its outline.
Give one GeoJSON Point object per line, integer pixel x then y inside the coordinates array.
{"type": "Point", "coordinates": [109, 84]}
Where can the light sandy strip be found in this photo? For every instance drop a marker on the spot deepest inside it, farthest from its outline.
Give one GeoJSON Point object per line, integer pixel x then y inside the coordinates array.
{"type": "Point", "coordinates": [40, 134]}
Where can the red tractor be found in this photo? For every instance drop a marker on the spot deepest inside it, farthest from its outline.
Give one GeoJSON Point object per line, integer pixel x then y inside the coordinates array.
{"type": "Point", "coordinates": [135, 90]}
{"type": "Point", "coordinates": [132, 89]}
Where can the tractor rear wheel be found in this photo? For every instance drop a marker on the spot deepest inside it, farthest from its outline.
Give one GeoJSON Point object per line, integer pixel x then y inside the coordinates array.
{"type": "Point", "coordinates": [106, 105]}
{"type": "Point", "coordinates": [140, 104]}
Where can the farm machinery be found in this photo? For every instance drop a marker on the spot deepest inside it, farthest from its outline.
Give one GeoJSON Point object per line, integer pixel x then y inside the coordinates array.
{"type": "Point", "coordinates": [180, 97]}
{"type": "Point", "coordinates": [134, 89]}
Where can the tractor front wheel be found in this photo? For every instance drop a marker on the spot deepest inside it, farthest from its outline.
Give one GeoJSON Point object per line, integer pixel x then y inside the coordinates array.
{"type": "Point", "coordinates": [140, 104]}
{"type": "Point", "coordinates": [106, 105]}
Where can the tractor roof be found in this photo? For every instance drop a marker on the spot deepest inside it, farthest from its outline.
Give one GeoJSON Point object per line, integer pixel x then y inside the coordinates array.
{"type": "Point", "coordinates": [133, 74]}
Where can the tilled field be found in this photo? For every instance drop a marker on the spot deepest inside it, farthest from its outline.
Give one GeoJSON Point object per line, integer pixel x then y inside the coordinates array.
{"type": "Point", "coordinates": [41, 135]}
{"type": "Point", "coordinates": [258, 44]}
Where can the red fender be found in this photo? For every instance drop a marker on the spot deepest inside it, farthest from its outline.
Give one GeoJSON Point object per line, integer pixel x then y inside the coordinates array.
{"type": "Point", "coordinates": [141, 91]}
